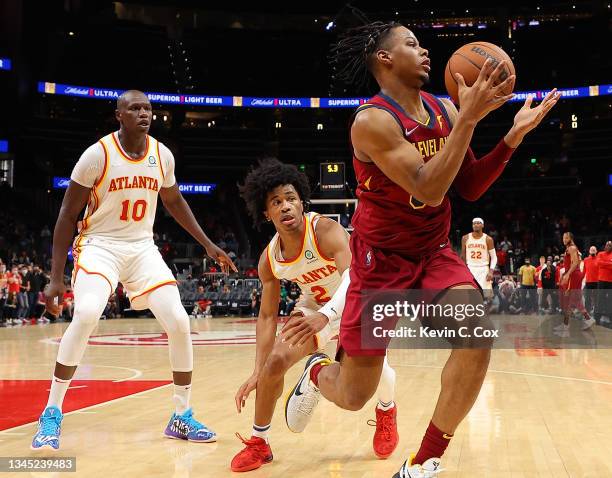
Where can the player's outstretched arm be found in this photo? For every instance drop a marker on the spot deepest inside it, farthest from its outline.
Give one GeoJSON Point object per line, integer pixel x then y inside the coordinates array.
{"type": "Point", "coordinates": [477, 175]}
{"type": "Point", "coordinates": [377, 138]}
{"type": "Point", "coordinates": [333, 243]}
{"type": "Point", "coordinates": [175, 204]}
{"type": "Point", "coordinates": [73, 203]}
{"type": "Point", "coordinates": [265, 328]}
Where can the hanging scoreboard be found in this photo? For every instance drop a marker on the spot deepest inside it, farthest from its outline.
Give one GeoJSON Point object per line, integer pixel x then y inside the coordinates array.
{"type": "Point", "coordinates": [332, 177]}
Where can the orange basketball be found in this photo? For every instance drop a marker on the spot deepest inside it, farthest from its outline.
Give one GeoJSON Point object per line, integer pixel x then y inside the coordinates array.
{"type": "Point", "coordinates": [468, 61]}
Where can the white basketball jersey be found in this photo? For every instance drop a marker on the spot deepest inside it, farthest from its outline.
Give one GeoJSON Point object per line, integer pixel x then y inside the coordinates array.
{"type": "Point", "coordinates": [476, 251]}
{"type": "Point", "coordinates": [123, 201]}
{"type": "Point", "coordinates": [316, 274]}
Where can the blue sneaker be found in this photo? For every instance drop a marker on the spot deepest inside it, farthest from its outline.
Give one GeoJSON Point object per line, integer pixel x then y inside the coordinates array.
{"type": "Point", "coordinates": [49, 427]}
{"type": "Point", "coordinates": [185, 427]}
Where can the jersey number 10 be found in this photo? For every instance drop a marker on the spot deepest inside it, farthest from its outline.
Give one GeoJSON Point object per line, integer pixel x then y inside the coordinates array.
{"type": "Point", "coordinates": [139, 209]}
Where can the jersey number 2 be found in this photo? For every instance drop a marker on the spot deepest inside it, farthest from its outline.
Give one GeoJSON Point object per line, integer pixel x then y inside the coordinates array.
{"type": "Point", "coordinates": [139, 208]}
{"type": "Point", "coordinates": [320, 294]}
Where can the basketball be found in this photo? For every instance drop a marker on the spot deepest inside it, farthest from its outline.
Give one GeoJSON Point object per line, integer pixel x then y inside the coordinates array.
{"type": "Point", "coordinates": [468, 61]}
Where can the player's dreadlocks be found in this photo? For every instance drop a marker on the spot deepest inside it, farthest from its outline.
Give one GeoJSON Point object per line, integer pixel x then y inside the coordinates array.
{"type": "Point", "coordinates": [267, 175]}
{"type": "Point", "coordinates": [353, 56]}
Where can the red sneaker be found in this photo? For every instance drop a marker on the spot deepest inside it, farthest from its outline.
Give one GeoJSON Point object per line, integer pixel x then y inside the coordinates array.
{"type": "Point", "coordinates": [386, 437]}
{"type": "Point", "coordinates": [256, 453]}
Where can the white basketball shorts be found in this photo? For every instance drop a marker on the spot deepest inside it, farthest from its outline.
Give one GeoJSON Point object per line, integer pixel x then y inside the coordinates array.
{"type": "Point", "coordinates": [138, 266]}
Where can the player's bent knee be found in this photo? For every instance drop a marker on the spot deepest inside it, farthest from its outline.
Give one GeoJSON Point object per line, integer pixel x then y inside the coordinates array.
{"type": "Point", "coordinates": [276, 365]}
{"type": "Point", "coordinates": [87, 312]}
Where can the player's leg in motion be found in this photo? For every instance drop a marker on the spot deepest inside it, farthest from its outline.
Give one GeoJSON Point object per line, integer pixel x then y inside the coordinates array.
{"type": "Point", "coordinates": [165, 303]}
{"type": "Point", "coordinates": [461, 381]}
{"type": "Point", "coordinates": [351, 383]}
{"type": "Point", "coordinates": [270, 383]}
{"type": "Point", "coordinates": [91, 292]}
{"type": "Point", "coordinates": [386, 437]}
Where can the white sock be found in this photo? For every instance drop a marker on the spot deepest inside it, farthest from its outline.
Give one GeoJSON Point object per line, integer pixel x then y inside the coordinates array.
{"type": "Point", "coordinates": [59, 387]}
{"type": "Point", "coordinates": [261, 432]}
{"type": "Point", "coordinates": [385, 406]}
{"type": "Point", "coordinates": [182, 395]}
{"type": "Point", "coordinates": [386, 385]}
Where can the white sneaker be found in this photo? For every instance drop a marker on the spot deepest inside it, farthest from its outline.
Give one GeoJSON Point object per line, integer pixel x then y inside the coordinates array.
{"type": "Point", "coordinates": [588, 324]}
{"type": "Point", "coordinates": [562, 327]}
{"type": "Point", "coordinates": [605, 319]}
{"type": "Point", "coordinates": [304, 397]}
{"type": "Point", "coordinates": [429, 469]}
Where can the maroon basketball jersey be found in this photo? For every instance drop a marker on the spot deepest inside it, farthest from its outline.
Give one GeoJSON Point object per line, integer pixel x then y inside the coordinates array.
{"type": "Point", "coordinates": [387, 216]}
{"type": "Point", "coordinates": [567, 263]}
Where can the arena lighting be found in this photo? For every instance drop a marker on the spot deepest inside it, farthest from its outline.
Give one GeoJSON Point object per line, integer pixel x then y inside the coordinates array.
{"type": "Point", "coordinates": [534, 160]}
{"type": "Point", "coordinates": [280, 103]}
{"type": "Point", "coordinates": [330, 25]}
{"type": "Point", "coordinates": [5, 64]}
{"type": "Point", "coordinates": [4, 146]}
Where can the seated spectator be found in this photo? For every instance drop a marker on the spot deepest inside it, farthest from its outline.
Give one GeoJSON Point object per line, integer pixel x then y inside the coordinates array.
{"type": "Point", "coordinates": [111, 310]}
{"type": "Point", "coordinates": [506, 291]}
{"type": "Point", "coordinates": [202, 304]}
{"type": "Point", "coordinates": [10, 309]}
{"type": "Point", "coordinates": [67, 307]}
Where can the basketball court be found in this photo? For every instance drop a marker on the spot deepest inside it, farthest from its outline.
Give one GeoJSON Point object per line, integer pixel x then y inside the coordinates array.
{"type": "Point", "coordinates": [542, 412]}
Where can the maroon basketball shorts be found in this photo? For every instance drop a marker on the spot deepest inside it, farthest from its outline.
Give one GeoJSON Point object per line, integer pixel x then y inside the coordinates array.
{"type": "Point", "coordinates": [570, 295]}
{"type": "Point", "coordinates": [376, 269]}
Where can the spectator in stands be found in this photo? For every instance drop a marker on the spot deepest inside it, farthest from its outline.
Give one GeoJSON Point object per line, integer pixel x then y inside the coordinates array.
{"type": "Point", "coordinates": [251, 272]}
{"type": "Point", "coordinates": [68, 304]}
{"type": "Point", "coordinates": [10, 309]}
{"type": "Point", "coordinates": [516, 303]}
{"type": "Point", "coordinates": [591, 270]}
{"type": "Point", "coordinates": [603, 309]}
{"type": "Point", "coordinates": [539, 283]}
{"type": "Point", "coordinates": [548, 275]}
{"type": "Point", "coordinates": [506, 289]}
{"type": "Point", "coordinates": [3, 277]}
{"type": "Point", "coordinates": [37, 281]}
{"type": "Point", "coordinates": [39, 309]}
{"type": "Point", "coordinates": [123, 302]}
{"type": "Point", "coordinates": [292, 297]}
{"type": "Point", "coordinates": [519, 254]}
{"type": "Point", "coordinates": [23, 299]}
{"type": "Point", "coordinates": [14, 290]}
{"type": "Point", "coordinates": [505, 245]}
{"type": "Point", "coordinates": [282, 306]}
{"type": "Point", "coordinates": [111, 310]}
{"type": "Point", "coordinates": [502, 258]}
{"type": "Point", "coordinates": [255, 302]}
{"type": "Point", "coordinates": [201, 304]}
{"type": "Point", "coordinates": [527, 281]}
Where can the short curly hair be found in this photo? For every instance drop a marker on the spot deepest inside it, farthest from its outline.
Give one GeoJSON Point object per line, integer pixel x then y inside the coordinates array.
{"type": "Point", "coordinates": [263, 178]}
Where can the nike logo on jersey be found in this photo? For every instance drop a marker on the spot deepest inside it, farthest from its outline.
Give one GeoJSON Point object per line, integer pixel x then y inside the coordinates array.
{"type": "Point", "coordinates": [408, 133]}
